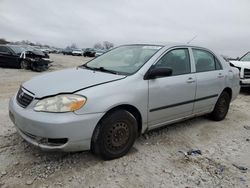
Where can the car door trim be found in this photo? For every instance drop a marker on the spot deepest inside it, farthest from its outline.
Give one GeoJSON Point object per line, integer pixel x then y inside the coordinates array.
{"type": "Point", "coordinates": [182, 103]}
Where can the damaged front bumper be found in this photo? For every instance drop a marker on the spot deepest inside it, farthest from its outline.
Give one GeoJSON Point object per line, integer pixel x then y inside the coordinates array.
{"type": "Point", "coordinates": [35, 62]}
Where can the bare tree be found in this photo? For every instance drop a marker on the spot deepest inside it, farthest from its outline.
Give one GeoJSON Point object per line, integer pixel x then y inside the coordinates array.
{"type": "Point", "coordinates": [98, 46]}
{"type": "Point", "coordinates": [38, 44]}
{"type": "Point", "coordinates": [3, 41]}
{"type": "Point", "coordinates": [67, 47]}
{"type": "Point", "coordinates": [107, 45]}
{"type": "Point", "coordinates": [73, 46]}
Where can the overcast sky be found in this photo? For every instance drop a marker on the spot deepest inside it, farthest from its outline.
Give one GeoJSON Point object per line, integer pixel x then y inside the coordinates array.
{"type": "Point", "coordinates": [223, 25]}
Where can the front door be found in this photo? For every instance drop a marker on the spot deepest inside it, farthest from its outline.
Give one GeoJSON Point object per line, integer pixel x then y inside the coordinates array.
{"type": "Point", "coordinates": [172, 97]}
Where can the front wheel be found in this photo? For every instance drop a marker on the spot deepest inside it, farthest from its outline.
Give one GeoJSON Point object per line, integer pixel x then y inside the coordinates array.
{"type": "Point", "coordinates": [24, 64]}
{"type": "Point", "coordinates": [114, 135]}
{"type": "Point", "coordinates": [221, 107]}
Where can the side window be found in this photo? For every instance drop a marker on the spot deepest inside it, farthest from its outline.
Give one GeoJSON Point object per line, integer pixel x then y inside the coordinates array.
{"type": "Point", "coordinates": [178, 60]}
{"type": "Point", "coordinates": [3, 49]}
{"type": "Point", "coordinates": [205, 61]}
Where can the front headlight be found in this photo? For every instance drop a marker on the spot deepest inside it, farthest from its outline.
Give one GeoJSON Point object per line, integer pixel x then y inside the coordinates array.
{"type": "Point", "coordinates": [61, 103]}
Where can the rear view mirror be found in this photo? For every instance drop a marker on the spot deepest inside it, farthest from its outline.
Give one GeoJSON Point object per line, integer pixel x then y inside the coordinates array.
{"type": "Point", "coordinates": [158, 72]}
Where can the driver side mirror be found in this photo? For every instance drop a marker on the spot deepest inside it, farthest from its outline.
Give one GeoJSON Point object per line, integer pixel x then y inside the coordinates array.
{"type": "Point", "coordinates": [158, 73]}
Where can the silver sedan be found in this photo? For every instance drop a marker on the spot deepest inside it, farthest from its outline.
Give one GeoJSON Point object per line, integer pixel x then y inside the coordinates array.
{"type": "Point", "coordinates": [105, 104]}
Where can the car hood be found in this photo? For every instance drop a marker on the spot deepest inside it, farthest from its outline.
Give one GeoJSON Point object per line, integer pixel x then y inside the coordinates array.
{"type": "Point", "coordinates": [241, 64]}
{"type": "Point", "coordinates": [67, 81]}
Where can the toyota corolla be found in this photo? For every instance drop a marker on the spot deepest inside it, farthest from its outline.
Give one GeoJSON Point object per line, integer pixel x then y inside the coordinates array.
{"type": "Point", "coordinates": [105, 104]}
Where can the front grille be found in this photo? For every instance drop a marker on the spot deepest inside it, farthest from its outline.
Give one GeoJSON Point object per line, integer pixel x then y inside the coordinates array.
{"type": "Point", "coordinates": [23, 98]}
{"type": "Point", "coordinates": [246, 73]}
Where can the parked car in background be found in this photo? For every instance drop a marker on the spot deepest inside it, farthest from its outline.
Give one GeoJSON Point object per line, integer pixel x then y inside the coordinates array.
{"type": "Point", "coordinates": [67, 51]}
{"type": "Point", "coordinates": [99, 52]}
{"type": "Point", "coordinates": [77, 52]}
{"type": "Point", "coordinates": [243, 64]}
{"type": "Point", "coordinates": [35, 49]}
{"type": "Point", "coordinates": [15, 56]}
{"type": "Point", "coordinates": [89, 52]}
{"type": "Point", "coordinates": [45, 50]}
{"type": "Point", "coordinates": [105, 104]}
{"type": "Point", "coordinates": [54, 50]}
{"type": "Point", "coordinates": [10, 56]}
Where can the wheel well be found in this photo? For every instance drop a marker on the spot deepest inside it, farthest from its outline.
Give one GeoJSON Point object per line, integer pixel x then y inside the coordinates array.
{"type": "Point", "coordinates": [134, 111]}
{"type": "Point", "coordinates": [229, 91]}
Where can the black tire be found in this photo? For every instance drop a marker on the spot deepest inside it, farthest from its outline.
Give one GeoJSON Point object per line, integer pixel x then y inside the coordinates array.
{"type": "Point", "coordinates": [24, 64]}
{"type": "Point", "coordinates": [221, 107]}
{"type": "Point", "coordinates": [114, 135]}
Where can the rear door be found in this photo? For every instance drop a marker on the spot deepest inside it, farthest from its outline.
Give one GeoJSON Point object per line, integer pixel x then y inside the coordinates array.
{"type": "Point", "coordinates": [172, 97]}
{"type": "Point", "coordinates": [210, 80]}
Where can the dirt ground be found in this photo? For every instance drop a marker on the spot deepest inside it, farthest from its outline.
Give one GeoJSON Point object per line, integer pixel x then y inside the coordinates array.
{"type": "Point", "coordinates": [158, 158]}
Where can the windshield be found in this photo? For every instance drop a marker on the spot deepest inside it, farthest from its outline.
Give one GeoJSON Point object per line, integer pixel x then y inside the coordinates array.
{"type": "Point", "coordinates": [246, 57]}
{"type": "Point", "coordinates": [125, 59]}
{"type": "Point", "coordinates": [17, 49]}
{"type": "Point", "coordinates": [28, 48]}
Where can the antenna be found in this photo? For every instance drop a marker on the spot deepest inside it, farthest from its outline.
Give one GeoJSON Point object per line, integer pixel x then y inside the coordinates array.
{"type": "Point", "coordinates": [192, 39]}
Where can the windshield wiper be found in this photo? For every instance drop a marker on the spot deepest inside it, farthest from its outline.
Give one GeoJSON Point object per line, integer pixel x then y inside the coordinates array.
{"type": "Point", "coordinates": [87, 67]}
{"type": "Point", "coordinates": [102, 69]}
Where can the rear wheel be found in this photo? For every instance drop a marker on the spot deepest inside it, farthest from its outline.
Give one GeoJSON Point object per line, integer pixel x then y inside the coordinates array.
{"type": "Point", "coordinates": [221, 107]}
{"type": "Point", "coordinates": [114, 135]}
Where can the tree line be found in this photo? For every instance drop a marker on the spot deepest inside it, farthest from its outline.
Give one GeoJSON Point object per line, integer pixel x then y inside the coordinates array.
{"type": "Point", "coordinates": [105, 45]}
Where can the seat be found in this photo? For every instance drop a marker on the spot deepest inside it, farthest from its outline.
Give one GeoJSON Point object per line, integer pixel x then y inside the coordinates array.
{"type": "Point", "coordinates": [204, 64]}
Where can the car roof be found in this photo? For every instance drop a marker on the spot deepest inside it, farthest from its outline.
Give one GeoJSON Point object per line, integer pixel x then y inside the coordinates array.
{"type": "Point", "coordinates": [11, 45]}
{"type": "Point", "coordinates": [5, 45]}
{"type": "Point", "coordinates": [169, 44]}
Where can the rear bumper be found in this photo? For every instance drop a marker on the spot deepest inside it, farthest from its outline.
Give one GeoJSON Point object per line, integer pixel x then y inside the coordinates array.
{"type": "Point", "coordinates": [54, 131]}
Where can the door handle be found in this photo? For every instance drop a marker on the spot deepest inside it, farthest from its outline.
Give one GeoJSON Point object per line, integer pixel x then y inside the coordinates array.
{"type": "Point", "coordinates": [190, 80]}
{"type": "Point", "coordinates": [220, 75]}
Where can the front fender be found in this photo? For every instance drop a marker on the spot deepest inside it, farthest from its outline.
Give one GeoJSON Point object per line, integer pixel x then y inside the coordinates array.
{"type": "Point", "coordinates": [102, 98]}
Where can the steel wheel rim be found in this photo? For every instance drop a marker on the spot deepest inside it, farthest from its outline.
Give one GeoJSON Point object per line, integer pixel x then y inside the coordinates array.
{"type": "Point", "coordinates": [117, 136]}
